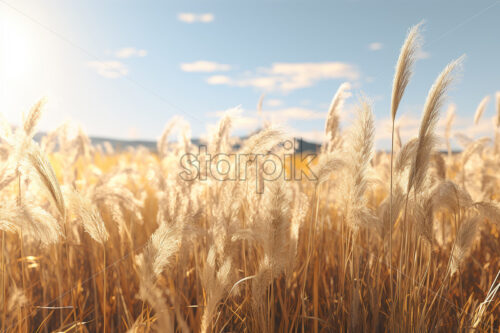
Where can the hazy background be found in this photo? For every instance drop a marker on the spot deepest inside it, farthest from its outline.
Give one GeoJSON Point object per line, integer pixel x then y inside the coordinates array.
{"type": "Point", "coordinates": [123, 68]}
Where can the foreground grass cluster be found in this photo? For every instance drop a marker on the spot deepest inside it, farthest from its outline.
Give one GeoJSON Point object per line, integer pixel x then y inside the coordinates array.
{"type": "Point", "coordinates": [94, 240]}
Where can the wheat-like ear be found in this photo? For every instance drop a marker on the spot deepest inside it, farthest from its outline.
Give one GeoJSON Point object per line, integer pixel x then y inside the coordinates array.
{"type": "Point", "coordinates": [219, 142]}
{"type": "Point", "coordinates": [9, 218]}
{"type": "Point", "coordinates": [260, 103]}
{"type": "Point", "coordinates": [218, 283]}
{"type": "Point", "coordinates": [463, 140]}
{"type": "Point", "coordinates": [300, 210]}
{"type": "Point", "coordinates": [423, 217]}
{"type": "Point", "coordinates": [332, 119]}
{"type": "Point", "coordinates": [276, 244]}
{"type": "Point", "coordinates": [384, 223]}
{"type": "Point", "coordinates": [467, 232]}
{"type": "Point", "coordinates": [7, 174]}
{"type": "Point", "coordinates": [45, 173]}
{"type": "Point", "coordinates": [358, 156]}
{"type": "Point", "coordinates": [449, 195]}
{"type": "Point", "coordinates": [49, 142]}
{"type": "Point", "coordinates": [84, 144]}
{"type": "Point", "coordinates": [35, 222]}
{"type": "Point", "coordinates": [436, 97]}
{"type": "Point", "coordinates": [406, 153]}
{"type": "Point", "coordinates": [354, 185]}
{"type": "Point", "coordinates": [439, 165]}
{"type": "Point", "coordinates": [402, 75]}
{"type": "Point", "coordinates": [480, 109]}
{"type": "Point", "coordinates": [163, 244]}
{"type": "Point", "coordinates": [44, 226]}
{"type": "Point", "coordinates": [263, 142]}
{"type": "Point", "coordinates": [108, 148]}
{"type": "Point", "coordinates": [397, 138]}
{"type": "Point", "coordinates": [326, 166]}
{"type": "Point", "coordinates": [184, 138]}
{"type": "Point", "coordinates": [404, 67]}
{"type": "Point", "coordinates": [162, 144]}
{"type": "Point", "coordinates": [33, 118]}
{"type": "Point", "coordinates": [426, 138]}
{"type": "Point", "coordinates": [362, 136]}
{"type": "Point", "coordinates": [157, 255]}
{"type": "Point", "coordinates": [473, 148]}
{"type": "Point", "coordinates": [490, 210]}
{"type": "Point", "coordinates": [450, 117]}
{"type": "Point", "coordinates": [87, 213]}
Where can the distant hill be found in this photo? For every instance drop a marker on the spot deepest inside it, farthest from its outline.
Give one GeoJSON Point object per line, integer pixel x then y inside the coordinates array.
{"type": "Point", "coordinates": [119, 144]}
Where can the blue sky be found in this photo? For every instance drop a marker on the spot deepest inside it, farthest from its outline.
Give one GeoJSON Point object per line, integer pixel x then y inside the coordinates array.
{"type": "Point", "coordinates": [123, 68]}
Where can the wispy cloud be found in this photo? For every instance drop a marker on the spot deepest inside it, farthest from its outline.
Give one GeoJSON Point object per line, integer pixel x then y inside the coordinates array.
{"type": "Point", "coordinates": [219, 79]}
{"type": "Point", "coordinates": [129, 52]}
{"type": "Point", "coordinates": [408, 127]}
{"type": "Point", "coordinates": [485, 127]}
{"type": "Point", "coordinates": [133, 133]}
{"type": "Point", "coordinates": [294, 113]}
{"type": "Point", "coordinates": [249, 120]}
{"type": "Point", "coordinates": [286, 77]}
{"type": "Point", "coordinates": [286, 118]}
{"type": "Point", "coordinates": [421, 54]}
{"type": "Point", "coordinates": [273, 102]}
{"type": "Point", "coordinates": [247, 123]}
{"type": "Point", "coordinates": [375, 46]}
{"type": "Point", "coordinates": [196, 18]}
{"type": "Point", "coordinates": [205, 67]}
{"type": "Point", "coordinates": [109, 69]}
{"type": "Point", "coordinates": [409, 124]}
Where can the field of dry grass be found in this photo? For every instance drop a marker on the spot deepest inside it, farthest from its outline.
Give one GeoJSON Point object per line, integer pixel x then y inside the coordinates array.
{"type": "Point", "coordinates": [405, 241]}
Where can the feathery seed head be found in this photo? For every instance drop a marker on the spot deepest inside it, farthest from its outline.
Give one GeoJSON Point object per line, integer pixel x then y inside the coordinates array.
{"type": "Point", "coordinates": [404, 67]}
{"type": "Point", "coordinates": [480, 109]}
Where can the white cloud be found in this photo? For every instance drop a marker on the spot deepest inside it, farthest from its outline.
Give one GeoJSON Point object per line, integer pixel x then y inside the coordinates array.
{"type": "Point", "coordinates": [296, 113]}
{"type": "Point", "coordinates": [315, 136]}
{"type": "Point", "coordinates": [133, 133]}
{"type": "Point", "coordinates": [485, 127]}
{"type": "Point", "coordinates": [251, 121]}
{"type": "Point", "coordinates": [109, 69]}
{"type": "Point", "coordinates": [246, 123]}
{"type": "Point", "coordinates": [273, 102]}
{"type": "Point", "coordinates": [194, 18]}
{"type": "Point", "coordinates": [219, 79]}
{"type": "Point", "coordinates": [375, 46]}
{"type": "Point", "coordinates": [286, 77]}
{"type": "Point", "coordinates": [421, 54]}
{"type": "Point", "coordinates": [409, 124]}
{"type": "Point", "coordinates": [129, 52]}
{"type": "Point", "coordinates": [240, 122]}
{"type": "Point", "coordinates": [205, 66]}
{"type": "Point", "coordinates": [408, 127]}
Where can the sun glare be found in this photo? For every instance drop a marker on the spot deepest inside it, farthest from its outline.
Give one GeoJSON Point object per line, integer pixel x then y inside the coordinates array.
{"type": "Point", "coordinates": [17, 54]}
